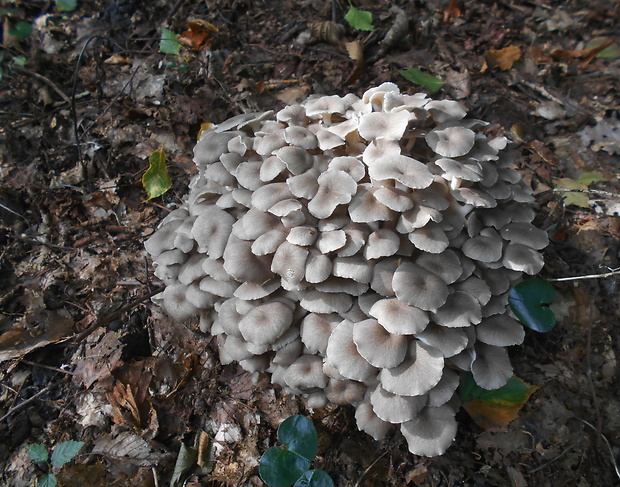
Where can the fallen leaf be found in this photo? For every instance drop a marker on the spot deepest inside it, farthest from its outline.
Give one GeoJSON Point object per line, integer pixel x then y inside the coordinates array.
{"type": "Point", "coordinates": [359, 19]}
{"type": "Point", "coordinates": [502, 59]}
{"type": "Point", "coordinates": [169, 43]}
{"type": "Point", "coordinates": [427, 81]}
{"type": "Point", "coordinates": [494, 410]}
{"type": "Point", "coordinates": [588, 54]}
{"type": "Point", "coordinates": [198, 34]}
{"type": "Point", "coordinates": [530, 301]}
{"type": "Point", "coordinates": [330, 32]}
{"type": "Point", "coordinates": [156, 180]}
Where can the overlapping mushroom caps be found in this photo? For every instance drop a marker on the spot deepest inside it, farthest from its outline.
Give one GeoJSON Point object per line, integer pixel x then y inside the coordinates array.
{"type": "Point", "coordinates": [360, 251]}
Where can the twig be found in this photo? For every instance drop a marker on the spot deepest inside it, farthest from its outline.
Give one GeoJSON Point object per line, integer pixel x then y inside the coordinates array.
{"type": "Point", "coordinates": [546, 464]}
{"type": "Point", "coordinates": [45, 80]}
{"type": "Point", "coordinates": [6, 208]}
{"type": "Point", "coordinates": [19, 406]}
{"type": "Point", "coordinates": [611, 453]}
{"type": "Point", "coordinates": [46, 244]}
{"type": "Point", "coordinates": [612, 273]}
{"type": "Point", "coordinates": [55, 369]}
{"type": "Point", "coordinates": [116, 314]}
{"type": "Point", "coordinates": [357, 484]}
{"type": "Point", "coordinates": [587, 190]}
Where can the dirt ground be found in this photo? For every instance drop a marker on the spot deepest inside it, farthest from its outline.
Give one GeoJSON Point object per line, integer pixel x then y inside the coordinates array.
{"type": "Point", "coordinates": [88, 96]}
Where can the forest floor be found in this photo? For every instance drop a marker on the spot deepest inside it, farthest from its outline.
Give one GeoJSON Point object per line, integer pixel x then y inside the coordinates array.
{"type": "Point", "coordinates": [87, 97]}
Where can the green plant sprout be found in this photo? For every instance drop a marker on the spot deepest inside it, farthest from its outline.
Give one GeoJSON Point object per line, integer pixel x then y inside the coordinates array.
{"type": "Point", "coordinates": [286, 465]}
{"type": "Point", "coordinates": [63, 453]}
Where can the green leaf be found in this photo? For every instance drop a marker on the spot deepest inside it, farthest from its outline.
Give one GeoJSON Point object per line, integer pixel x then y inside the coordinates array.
{"type": "Point", "coordinates": [186, 462]}
{"type": "Point", "coordinates": [48, 480]}
{"type": "Point", "coordinates": [589, 177]}
{"type": "Point", "coordinates": [21, 29]}
{"type": "Point", "coordinates": [65, 451]}
{"type": "Point", "coordinates": [156, 180]}
{"type": "Point", "coordinates": [610, 51]}
{"type": "Point", "coordinates": [168, 43]}
{"type": "Point", "coordinates": [298, 434]}
{"type": "Point", "coordinates": [38, 453]}
{"type": "Point", "coordinates": [281, 468]}
{"type": "Point", "coordinates": [20, 61]}
{"type": "Point", "coordinates": [529, 300]}
{"type": "Point", "coordinates": [493, 410]}
{"type": "Point", "coordinates": [315, 478]}
{"type": "Point", "coordinates": [427, 81]}
{"type": "Point", "coordinates": [359, 19]}
{"type": "Point", "coordinates": [66, 5]}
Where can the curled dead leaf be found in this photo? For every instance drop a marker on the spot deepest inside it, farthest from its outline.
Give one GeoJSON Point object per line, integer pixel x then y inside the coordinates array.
{"type": "Point", "coordinates": [198, 34]}
{"type": "Point", "coordinates": [329, 32]}
{"type": "Point", "coordinates": [502, 59]}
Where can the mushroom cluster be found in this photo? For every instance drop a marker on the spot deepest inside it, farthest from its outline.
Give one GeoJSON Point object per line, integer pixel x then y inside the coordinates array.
{"type": "Point", "coordinates": [360, 251]}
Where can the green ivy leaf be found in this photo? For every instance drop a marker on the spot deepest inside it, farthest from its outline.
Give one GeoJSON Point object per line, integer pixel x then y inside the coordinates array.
{"type": "Point", "coordinates": [359, 19]}
{"type": "Point", "coordinates": [156, 180]}
{"type": "Point", "coordinates": [66, 5]}
{"type": "Point", "coordinates": [65, 451]}
{"type": "Point", "coordinates": [48, 480]}
{"type": "Point", "coordinates": [528, 299]}
{"type": "Point", "coordinates": [315, 478]}
{"type": "Point", "coordinates": [609, 52]}
{"type": "Point", "coordinates": [168, 43]}
{"type": "Point", "coordinates": [298, 434]}
{"type": "Point", "coordinates": [38, 453]}
{"type": "Point", "coordinates": [425, 80]}
{"type": "Point", "coordinates": [21, 29]}
{"type": "Point", "coordinates": [281, 468]}
{"type": "Point", "coordinates": [493, 410]}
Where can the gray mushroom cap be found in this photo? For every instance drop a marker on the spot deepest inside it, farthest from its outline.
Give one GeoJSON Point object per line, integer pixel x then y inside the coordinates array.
{"type": "Point", "coordinates": [418, 287]}
{"type": "Point", "coordinates": [394, 408]}
{"type": "Point", "coordinates": [451, 140]}
{"type": "Point", "coordinates": [431, 432]}
{"type": "Point", "coordinates": [343, 354]}
{"type": "Point", "coordinates": [378, 346]}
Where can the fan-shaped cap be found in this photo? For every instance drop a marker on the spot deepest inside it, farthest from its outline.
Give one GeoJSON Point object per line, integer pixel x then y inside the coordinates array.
{"type": "Point", "coordinates": [211, 231]}
{"type": "Point", "coordinates": [356, 268]}
{"type": "Point", "coordinates": [451, 140]}
{"type": "Point", "coordinates": [459, 310]}
{"type": "Point", "coordinates": [405, 170]}
{"type": "Point", "coordinates": [526, 234]}
{"type": "Point", "coordinates": [211, 146]}
{"type": "Point", "coordinates": [446, 265]}
{"type": "Point", "coordinates": [174, 301]}
{"type": "Point", "coordinates": [242, 264]}
{"type": "Point", "coordinates": [342, 353]}
{"type": "Point", "coordinates": [316, 330]}
{"type": "Point", "coordinates": [335, 188]}
{"type": "Point", "coordinates": [318, 267]}
{"type": "Point", "coordinates": [298, 136]}
{"type": "Point", "coordinates": [383, 274]}
{"type": "Point", "coordinates": [500, 331]}
{"type": "Point", "coordinates": [431, 432]}
{"type": "Point", "coordinates": [306, 373]}
{"type": "Point", "coordinates": [491, 366]}
{"type": "Point", "coordinates": [318, 302]}
{"type": "Point", "coordinates": [383, 125]}
{"type": "Point", "coordinates": [446, 110]}
{"type": "Point", "coordinates": [368, 422]}
{"type": "Point", "coordinates": [417, 374]}
{"type": "Point", "coordinates": [395, 199]}
{"type": "Point", "coordinates": [394, 408]}
{"type": "Point", "coordinates": [296, 159]}
{"type": "Point", "coordinates": [350, 165]}
{"type": "Point", "coordinates": [430, 238]}
{"type": "Point", "coordinates": [418, 287]}
{"type": "Point", "coordinates": [444, 390]}
{"type": "Point", "coordinates": [398, 317]}
{"type": "Point", "coordinates": [289, 262]}
{"type": "Point", "coordinates": [519, 257]}
{"type": "Point", "coordinates": [263, 324]}
{"type": "Point", "coordinates": [449, 341]}
{"type": "Point", "coordinates": [486, 247]}
{"type": "Point", "coordinates": [344, 391]}
{"type": "Point", "coordinates": [365, 208]}
{"type": "Point", "coordinates": [381, 243]}
{"type": "Point", "coordinates": [377, 345]}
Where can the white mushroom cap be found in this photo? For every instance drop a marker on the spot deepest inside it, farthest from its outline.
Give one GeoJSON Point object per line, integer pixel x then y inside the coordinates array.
{"type": "Point", "coordinates": [405, 170]}
{"type": "Point", "coordinates": [393, 408]}
{"type": "Point", "coordinates": [399, 318]}
{"type": "Point", "coordinates": [431, 432]}
{"type": "Point", "coordinates": [351, 165]}
{"type": "Point", "coordinates": [491, 366]}
{"type": "Point", "coordinates": [316, 330]}
{"type": "Point", "coordinates": [211, 230]}
{"type": "Point", "coordinates": [364, 208]}
{"type": "Point", "coordinates": [418, 287]}
{"type": "Point", "coordinates": [518, 257]}
{"type": "Point", "coordinates": [395, 199]}
{"type": "Point", "coordinates": [417, 374]}
{"type": "Point", "coordinates": [289, 262]}
{"type": "Point", "coordinates": [459, 310]}
{"type": "Point", "coordinates": [306, 373]}
{"type": "Point", "coordinates": [449, 341]}
{"type": "Point", "coordinates": [381, 243]}
{"type": "Point", "coordinates": [318, 267]}
{"type": "Point", "coordinates": [265, 323]}
{"type": "Point", "coordinates": [174, 301]}
{"type": "Point", "coordinates": [377, 345]}
{"type": "Point", "coordinates": [368, 422]}
{"type": "Point", "coordinates": [444, 390]}
{"type": "Point", "coordinates": [445, 110]}
{"type": "Point", "coordinates": [525, 234]}
{"type": "Point", "coordinates": [344, 391]}
{"type": "Point", "coordinates": [451, 140]}
{"type": "Point", "coordinates": [335, 188]}
{"type": "Point", "coordinates": [384, 125]}
{"type": "Point", "coordinates": [500, 331]}
{"type": "Point", "coordinates": [343, 355]}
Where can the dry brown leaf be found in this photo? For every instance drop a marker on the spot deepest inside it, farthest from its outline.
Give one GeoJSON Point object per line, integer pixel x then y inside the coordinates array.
{"type": "Point", "coordinates": [502, 59]}
{"type": "Point", "coordinates": [198, 34]}
{"type": "Point", "coordinates": [329, 32]}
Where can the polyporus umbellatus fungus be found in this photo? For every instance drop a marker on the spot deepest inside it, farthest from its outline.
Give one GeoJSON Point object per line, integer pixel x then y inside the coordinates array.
{"type": "Point", "coordinates": [360, 251]}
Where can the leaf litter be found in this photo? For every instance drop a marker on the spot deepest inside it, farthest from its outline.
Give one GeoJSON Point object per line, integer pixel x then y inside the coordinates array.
{"type": "Point", "coordinates": [73, 222]}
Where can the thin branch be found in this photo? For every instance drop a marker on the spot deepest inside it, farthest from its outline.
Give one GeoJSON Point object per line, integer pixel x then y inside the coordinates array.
{"type": "Point", "coordinates": [611, 453]}
{"type": "Point", "coordinates": [614, 272]}
{"type": "Point", "coordinates": [19, 406]}
{"type": "Point", "coordinates": [115, 315]}
{"type": "Point", "coordinates": [45, 80]}
{"type": "Point", "coordinates": [43, 242]}
{"type": "Point", "coordinates": [358, 483]}
{"type": "Point", "coordinates": [587, 190]}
